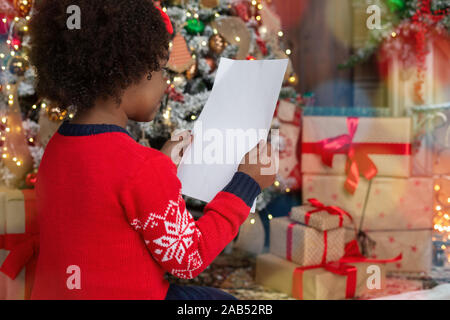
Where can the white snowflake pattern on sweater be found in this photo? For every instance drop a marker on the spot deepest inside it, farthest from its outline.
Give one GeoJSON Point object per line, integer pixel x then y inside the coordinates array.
{"type": "Point", "coordinates": [178, 237]}
{"type": "Point", "coordinates": [178, 232]}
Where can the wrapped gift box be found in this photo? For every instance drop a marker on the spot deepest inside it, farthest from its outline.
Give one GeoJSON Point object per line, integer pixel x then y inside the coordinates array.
{"type": "Point", "coordinates": [400, 204]}
{"type": "Point", "coordinates": [288, 114]}
{"type": "Point", "coordinates": [392, 203]}
{"type": "Point", "coordinates": [21, 232]}
{"type": "Point", "coordinates": [303, 244]}
{"type": "Point", "coordinates": [322, 218]}
{"type": "Point", "coordinates": [415, 247]}
{"type": "Point", "coordinates": [386, 141]}
{"type": "Point", "coordinates": [317, 284]}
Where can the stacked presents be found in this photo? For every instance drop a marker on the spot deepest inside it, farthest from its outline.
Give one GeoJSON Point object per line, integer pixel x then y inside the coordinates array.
{"type": "Point", "coordinates": [361, 168]}
{"type": "Point", "coordinates": [18, 243]}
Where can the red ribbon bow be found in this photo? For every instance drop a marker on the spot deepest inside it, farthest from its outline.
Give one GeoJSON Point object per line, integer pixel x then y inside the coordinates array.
{"type": "Point", "coordinates": [358, 160]}
{"type": "Point", "coordinates": [22, 247]}
{"type": "Point", "coordinates": [333, 210]}
{"type": "Point", "coordinates": [354, 255]}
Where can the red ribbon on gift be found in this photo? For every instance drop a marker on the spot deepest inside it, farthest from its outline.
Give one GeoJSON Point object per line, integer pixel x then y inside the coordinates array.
{"type": "Point", "coordinates": [358, 160]}
{"type": "Point", "coordinates": [336, 268]}
{"type": "Point", "coordinates": [333, 210]}
{"type": "Point", "coordinates": [289, 243]}
{"type": "Point", "coordinates": [354, 255]}
{"type": "Point", "coordinates": [23, 247]}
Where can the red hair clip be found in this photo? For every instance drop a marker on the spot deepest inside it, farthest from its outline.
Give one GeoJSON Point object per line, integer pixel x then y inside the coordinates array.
{"type": "Point", "coordinates": [166, 19]}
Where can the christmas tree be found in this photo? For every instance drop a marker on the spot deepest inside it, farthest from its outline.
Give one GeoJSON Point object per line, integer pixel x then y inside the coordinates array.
{"type": "Point", "coordinates": [205, 31]}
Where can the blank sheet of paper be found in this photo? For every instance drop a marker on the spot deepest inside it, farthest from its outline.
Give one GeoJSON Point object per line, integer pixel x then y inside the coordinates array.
{"type": "Point", "coordinates": [237, 115]}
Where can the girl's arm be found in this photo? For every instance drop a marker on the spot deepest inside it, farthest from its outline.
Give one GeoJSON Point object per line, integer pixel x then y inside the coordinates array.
{"type": "Point", "coordinates": [182, 246]}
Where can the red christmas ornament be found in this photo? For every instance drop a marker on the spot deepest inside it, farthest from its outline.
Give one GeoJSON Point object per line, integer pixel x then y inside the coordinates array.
{"type": "Point", "coordinates": [30, 180]}
{"type": "Point", "coordinates": [242, 10]}
{"type": "Point", "coordinates": [174, 95]}
{"type": "Point", "coordinates": [16, 43]}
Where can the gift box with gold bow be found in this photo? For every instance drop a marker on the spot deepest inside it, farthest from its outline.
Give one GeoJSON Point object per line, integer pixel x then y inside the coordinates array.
{"type": "Point", "coordinates": [19, 243]}
{"type": "Point", "coordinates": [356, 147]}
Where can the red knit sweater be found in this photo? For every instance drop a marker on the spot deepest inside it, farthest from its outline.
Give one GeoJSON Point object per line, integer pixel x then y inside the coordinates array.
{"type": "Point", "coordinates": [114, 209]}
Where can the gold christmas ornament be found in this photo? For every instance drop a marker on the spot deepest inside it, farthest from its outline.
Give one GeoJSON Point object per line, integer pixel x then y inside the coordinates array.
{"type": "Point", "coordinates": [217, 43]}
{"type": "Point", "coordinates": [18, 66]}
{"type": "Point", "coordinates": [56, 113]}
{"type": "Point", "coordinates": [209, 3]}
{"type": "Point", "coordinates": [23, 7]}
{"type": "Point", "coordinates": [192, 71]}
{"type": "Point", "coordinates": [235, 32]}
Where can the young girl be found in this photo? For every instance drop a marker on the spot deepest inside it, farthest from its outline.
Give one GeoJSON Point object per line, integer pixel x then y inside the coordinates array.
{"type": "Point", "coordinates": [112, 218]}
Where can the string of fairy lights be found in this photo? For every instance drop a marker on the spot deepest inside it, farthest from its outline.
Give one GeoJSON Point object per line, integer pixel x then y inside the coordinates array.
{"type": "Point", "coordinates": [16, 62]}
{"type": "Point", "coordinates": [442, 208]}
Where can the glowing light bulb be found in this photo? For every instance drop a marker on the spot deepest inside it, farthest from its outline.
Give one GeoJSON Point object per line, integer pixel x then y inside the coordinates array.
{"type": "Point", "coordinates": [288, 51]}
{"type": "Point", "coordinates": [437, 187]}
{"type": "Point", "coordinates": [252, 221]}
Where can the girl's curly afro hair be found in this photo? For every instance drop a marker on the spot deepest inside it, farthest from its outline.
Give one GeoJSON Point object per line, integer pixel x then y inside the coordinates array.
{"type": "Point", "coordinates": [119, 42]}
